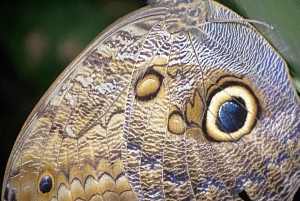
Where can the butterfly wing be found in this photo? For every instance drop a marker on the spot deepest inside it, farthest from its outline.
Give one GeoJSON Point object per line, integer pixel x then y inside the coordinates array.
{"type": "Point", "coordinates": [69, 148]}
{"type": "Point", "coordinates": [272, 144]}
{"type": "Point", "coordinates": [164, 107]}
{"type": "Point", "coordinates": [180, 145]}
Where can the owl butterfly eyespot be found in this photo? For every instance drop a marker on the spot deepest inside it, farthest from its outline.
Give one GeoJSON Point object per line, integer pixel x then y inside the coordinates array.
{"type": "Point", "coordinates": [164, 105]}
{"type": "Point", "coordinates": [232, 111]}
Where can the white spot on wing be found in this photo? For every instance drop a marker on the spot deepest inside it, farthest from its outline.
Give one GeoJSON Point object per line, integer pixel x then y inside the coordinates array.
{"type": "Point", "coordinates": [71, 100]}
{"type": "Point", "coordinates": [107, 87]}
{"type": "Point", "coordinates": [70, 132]}
{"type": "Point", "coordinates": [85, 81]}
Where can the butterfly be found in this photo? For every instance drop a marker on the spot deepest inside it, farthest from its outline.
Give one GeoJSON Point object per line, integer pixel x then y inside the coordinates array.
{"type": "Point", "coordinates": [180, 100]}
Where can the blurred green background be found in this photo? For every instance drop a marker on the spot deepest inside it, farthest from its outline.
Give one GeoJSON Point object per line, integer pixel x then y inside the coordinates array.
{"type": "Point", "coordinates": [38, 39]}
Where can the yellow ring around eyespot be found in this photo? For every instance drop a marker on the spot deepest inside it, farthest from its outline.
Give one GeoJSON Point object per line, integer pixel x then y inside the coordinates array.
{"type": "Point", "coordinates": [176, 124]}
{"type": "Point", "coordinates": [46, 173]}
{"type": "Point", "coordinates": [148, 85]}
{"type": "Point", "coordinates": [226, 95]}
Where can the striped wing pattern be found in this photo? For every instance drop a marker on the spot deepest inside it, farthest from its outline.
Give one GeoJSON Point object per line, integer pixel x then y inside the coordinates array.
{"type": "Point", "coordinates": [133, 117]}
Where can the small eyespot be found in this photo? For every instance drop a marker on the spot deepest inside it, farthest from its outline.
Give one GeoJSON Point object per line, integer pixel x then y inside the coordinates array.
{"type": "Point", "coordinates": [148, 85]}
{"type": "Point", "coordinates": [231, 113]}
{"type": "Point", "coordinates": [6, 191]}
{"type": "Point", "coordinates": [46, 183]}
{"type": "Point", "coordinates": [13, 195]}
{"type": "Point", "coordinates": [176, 123]}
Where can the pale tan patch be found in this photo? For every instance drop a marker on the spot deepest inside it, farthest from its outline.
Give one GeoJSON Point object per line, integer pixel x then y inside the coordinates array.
{"type": "Point", "coordinates": [76, 189]}
{"type": "Point", "coordinates": [176, 124]}
{"type": "Point", "coordinates": [195, 110]}
{"type": "Point", "coordinates": [148, 85]}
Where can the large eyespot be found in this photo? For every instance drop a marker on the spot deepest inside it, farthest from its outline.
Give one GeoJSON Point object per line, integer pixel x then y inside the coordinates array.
{"type": "Point", "coordinates": [231, 113]}
{"type": "Point", "coordinates": [148, 85]}
{"type": "Point", "coordinates": [46, 183]}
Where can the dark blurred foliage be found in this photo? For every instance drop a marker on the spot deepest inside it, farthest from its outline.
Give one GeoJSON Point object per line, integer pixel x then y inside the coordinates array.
{"type": "Point", "coordinates": [38, 39]}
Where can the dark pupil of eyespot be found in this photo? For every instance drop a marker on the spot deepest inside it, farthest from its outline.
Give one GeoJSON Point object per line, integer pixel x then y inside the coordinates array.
{"type": "Point", "coordinates": [232, 115]}
{"type": "Point", "coordinates": [46, 184]}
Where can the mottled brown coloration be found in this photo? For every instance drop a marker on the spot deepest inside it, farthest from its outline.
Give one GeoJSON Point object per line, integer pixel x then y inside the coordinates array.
{"type": "Point", "coordinates": [164, 105]}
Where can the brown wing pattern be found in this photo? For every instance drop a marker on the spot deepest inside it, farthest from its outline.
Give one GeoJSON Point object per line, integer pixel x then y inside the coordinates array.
{"type": "Point", "coordinates": [74, 136]}
{"type": "Point", "coordinates": [164, 106]}
{"type": "Point", "coordinates": [177, 144]}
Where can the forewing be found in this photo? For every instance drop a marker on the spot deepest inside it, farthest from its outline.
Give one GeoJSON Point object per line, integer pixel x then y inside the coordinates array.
{"type": "Point", "coordinates": [69, 148]}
